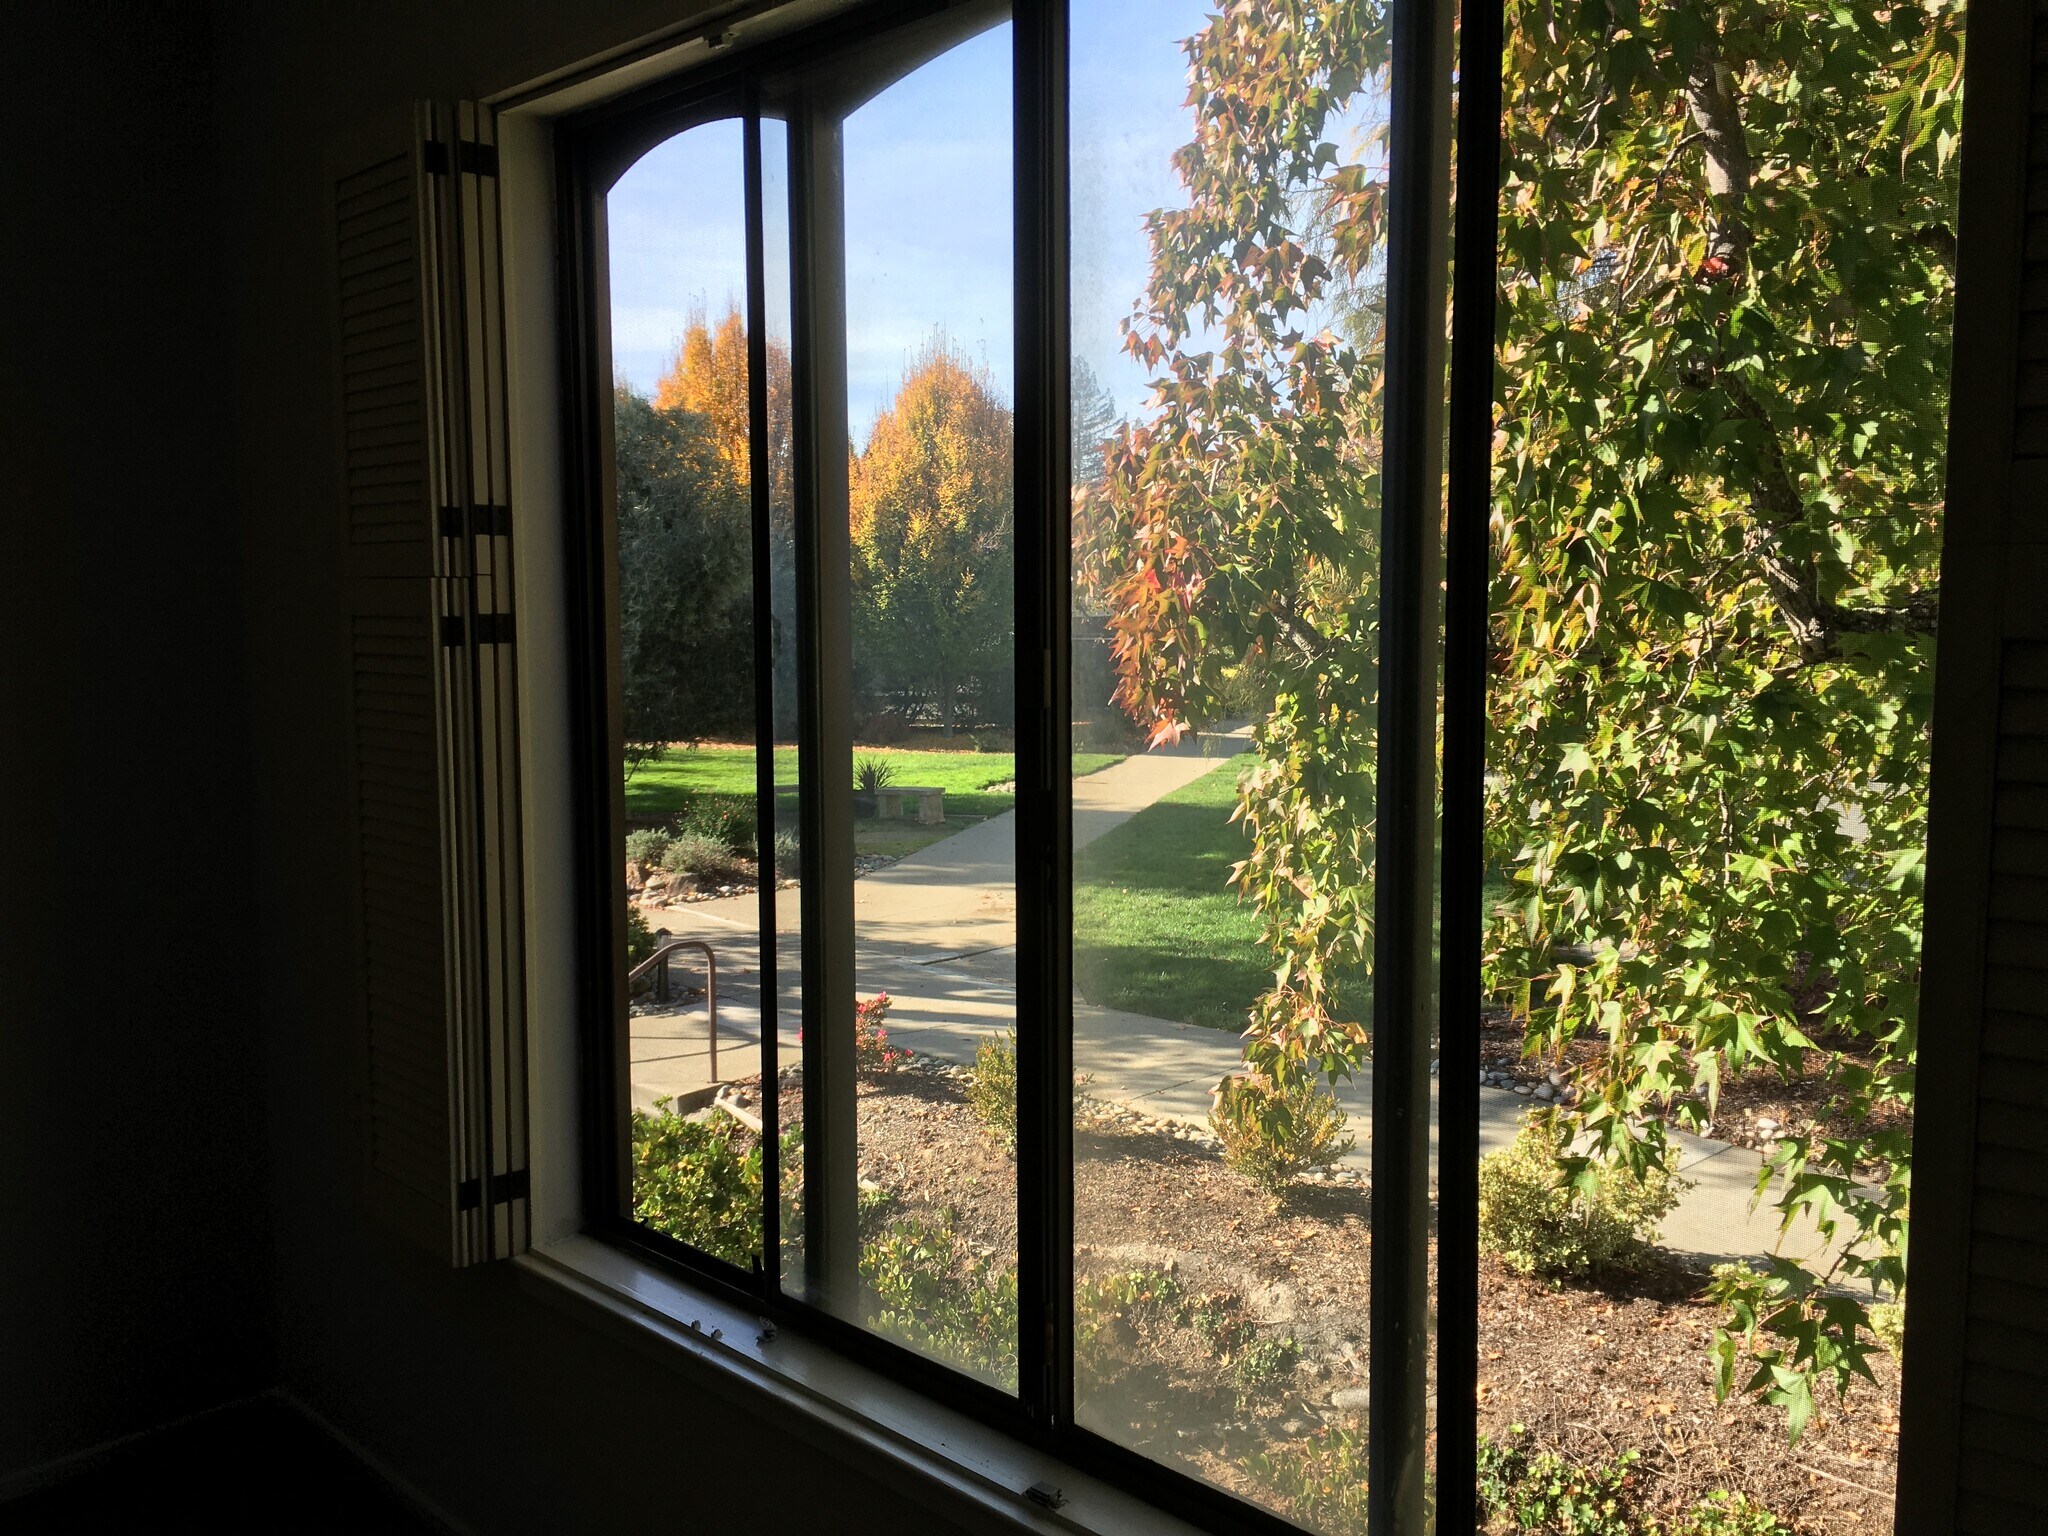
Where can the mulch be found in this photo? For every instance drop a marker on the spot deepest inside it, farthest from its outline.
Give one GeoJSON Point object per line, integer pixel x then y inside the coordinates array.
{"type": "Point", "coordinates": [1754, 1108]}
{"type": "Point", "coordinates": [1588, 1372]}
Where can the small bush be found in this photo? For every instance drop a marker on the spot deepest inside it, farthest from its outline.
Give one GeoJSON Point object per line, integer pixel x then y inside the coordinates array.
{"type": "Point", "coordinates": [872, 773]}
{"type": "Point", "coordinates": [994, 739]}
{"type": "Point", "coordinates": [1262, 1365]}
{"type": "Point", "coordinates": [930, 1291]}
{"type": "Point", "coordinates": [1244, 691]}
{"type": "Point", "coordinates": [698, 1181]}
{"type": "Point", "coordinates": [1539, 1224]}
{"type": "Point", "coordinates": [873, 1055]}
{"type": "Point", "coordinates": [992, 1091]}
{"type": "Point", "coordinates": [693, 853]}
{"type": "Point", "coordinates": [640, 939]}
{"type": "Point", "coordinates": [729, 820]}
{"type": "Point", "coordinates": [1320, 1480]}
{"type": "Point", "coordinates": [1270, 1133]}
{"type": "Point", "coordinates": [1544, 1492]}
{"type": "Point", "coordinates": [1729, 1514]}
{"type": "Point", "coordinates": [1888, 1322]}
{"type": "Point", "coordinates": [788, 855]}
{"type": "Point", "coordinates": [646, 846]}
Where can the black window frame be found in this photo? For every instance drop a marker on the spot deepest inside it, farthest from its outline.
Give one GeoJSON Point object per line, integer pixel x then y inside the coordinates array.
{"type": "Point", "coordinates": [597, 144]}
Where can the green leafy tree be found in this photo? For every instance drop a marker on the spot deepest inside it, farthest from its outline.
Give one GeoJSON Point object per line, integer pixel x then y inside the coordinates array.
{"type": "Point", "coordinates": [1727, 279]}
{"type": "Point", "coordinates": [685, 589]}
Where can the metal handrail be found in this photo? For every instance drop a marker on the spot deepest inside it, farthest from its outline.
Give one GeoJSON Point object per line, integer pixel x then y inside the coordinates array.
{"type": "Point", "coordinates": [660, 959]}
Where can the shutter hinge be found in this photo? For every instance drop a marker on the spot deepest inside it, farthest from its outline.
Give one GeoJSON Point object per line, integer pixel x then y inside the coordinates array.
{"type": "Point", "coordinates": [490, 628]}
{"type": "Point", "coordinates": [471, 158]}
{"type": "Point", "coordinates": [486, 520]}
{"type": "Point", "coordinates": [505, 1188]}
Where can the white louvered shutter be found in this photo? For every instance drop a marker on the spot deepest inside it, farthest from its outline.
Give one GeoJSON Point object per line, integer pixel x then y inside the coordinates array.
{"type": "Point", "coordinates": [434, 766]}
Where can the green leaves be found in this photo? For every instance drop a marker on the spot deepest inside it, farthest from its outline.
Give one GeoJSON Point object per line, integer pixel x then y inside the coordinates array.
{"type": "Point", "coordinates": [1718, 475]}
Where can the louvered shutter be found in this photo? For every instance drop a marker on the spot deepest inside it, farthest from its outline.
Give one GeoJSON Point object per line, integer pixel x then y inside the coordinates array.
{"type": "Point", "coordinates": [1974, 1443]}
{"type": "Point", "coordinates": [434, 765]}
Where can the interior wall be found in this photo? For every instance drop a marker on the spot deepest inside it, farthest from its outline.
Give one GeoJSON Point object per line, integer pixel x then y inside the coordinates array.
{"type": "Point", "coordinates": [500, 1410]}
{"type": "Point", "coordinates": [134, 1241]}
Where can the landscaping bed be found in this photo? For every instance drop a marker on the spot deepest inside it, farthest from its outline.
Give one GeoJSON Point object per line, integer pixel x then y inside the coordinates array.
{"type": "Point", "coordinates": [1754, 1108]}
{"type": "Point", "coordinates": [1218, 1333]}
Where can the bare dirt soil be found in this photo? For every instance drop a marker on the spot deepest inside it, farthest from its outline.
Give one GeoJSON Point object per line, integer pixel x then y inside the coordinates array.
{"type": "Point", "coordinates": [1217, 1327]}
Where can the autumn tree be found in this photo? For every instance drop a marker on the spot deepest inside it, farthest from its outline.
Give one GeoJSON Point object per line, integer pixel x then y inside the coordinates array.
{"type": "Point", "coordinates": [707, 376]}
{"type": "Point", "coordinates": [932, 510]}
{"type": "Point", "coordinates": [1727, 280]}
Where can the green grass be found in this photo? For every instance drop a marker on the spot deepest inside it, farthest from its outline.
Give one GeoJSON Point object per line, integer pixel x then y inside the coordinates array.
{"type": "Point", "coordinates": [666, 785]}
{"type": "Point", "coordinates": [1157, 930]}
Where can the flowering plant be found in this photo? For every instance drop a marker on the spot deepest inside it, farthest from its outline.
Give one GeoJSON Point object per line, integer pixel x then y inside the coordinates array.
{"type": "Point", "coordinates": [873, 1055]}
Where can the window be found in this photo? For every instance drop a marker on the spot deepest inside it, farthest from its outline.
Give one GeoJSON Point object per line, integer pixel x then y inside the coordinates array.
{"type": "Point", "coordinates": [1007, 959]}
{"type": "Point", "coordinates": [856, 809]}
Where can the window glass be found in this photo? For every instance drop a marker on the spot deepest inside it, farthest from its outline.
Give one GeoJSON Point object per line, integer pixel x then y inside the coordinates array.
{"type": "Point", "coordinates": [1718, 486]}
{"type": "Point", "coordinates": [900, 192]}
{"type": "Point", "coordinates": [1227, 289]}
{"type": "Point", "coordinates": [693, 860]}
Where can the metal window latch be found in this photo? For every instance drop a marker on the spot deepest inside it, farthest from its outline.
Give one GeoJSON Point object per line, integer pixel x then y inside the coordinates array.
{"type": "Point", "coordinates": [1046, 1494]}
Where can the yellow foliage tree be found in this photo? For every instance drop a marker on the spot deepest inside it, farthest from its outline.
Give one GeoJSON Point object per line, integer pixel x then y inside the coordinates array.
{"type": "Point", "coordinates": [707, 375]}
{"type": "Point", "coordinates": [932, 509]}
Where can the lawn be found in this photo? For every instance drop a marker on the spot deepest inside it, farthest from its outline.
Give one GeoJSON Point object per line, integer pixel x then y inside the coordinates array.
{"type": "Point", "coordinates": [1157, 930]}
{"type": "Point", "coordinates": [667, 784]}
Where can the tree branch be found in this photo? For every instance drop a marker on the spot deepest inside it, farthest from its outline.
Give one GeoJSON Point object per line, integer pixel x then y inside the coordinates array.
{"type": "Point", "coordinates": [1817, 624]}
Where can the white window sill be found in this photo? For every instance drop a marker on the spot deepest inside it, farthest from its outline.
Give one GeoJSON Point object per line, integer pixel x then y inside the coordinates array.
{"type": "Point", "coordinates": [948, 1461]}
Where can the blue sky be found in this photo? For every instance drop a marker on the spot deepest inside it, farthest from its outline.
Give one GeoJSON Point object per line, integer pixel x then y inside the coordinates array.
{"type": "Point", "coordinates": [928, 209]}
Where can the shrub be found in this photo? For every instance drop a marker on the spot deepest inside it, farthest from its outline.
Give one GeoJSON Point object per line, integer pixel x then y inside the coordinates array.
{"type": "Point", "coordinates": [1888, 1322]}
{"type": "Point", "coordinates": [788, 855]}
{"type": "Point", "coordinates": [646, 846]}
{"type": "Point", "coordinates": [1729, 1514]}
{"type": "Point", "coordinates": [1263, 1364]}
{"type": "Point", "coordinates": [871, 773]}
{"type": "Point", "coordinates": [1320, 1480]}
{"type": "Point", "coordinates": [992, 1091]}
{"type": "Point", "coordinates": [729, 820]}
{"type": "Point", "coordinates": [1539, 1221]}
{"type": "Point", "coordinates": [994, 739]}
{"type": "Point", "coordinates": [698, 1181]}
{"type": "Point", "coordinates": [640, 939]}
{"type": "Point", "coordinates": [1271, 1133]}
{"type": "Point", "coordinates": [693, 853]}
{"type": "Point", "coordinates": [1544, 1492]}
{"type": "Point", "coordinates": [930, 1291]}
{"type": "Point", "coordinates": [873, 1055]}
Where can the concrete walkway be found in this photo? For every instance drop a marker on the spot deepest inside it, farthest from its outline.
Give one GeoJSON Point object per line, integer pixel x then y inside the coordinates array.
{"type": "Point", "coordinates": [937, 932]}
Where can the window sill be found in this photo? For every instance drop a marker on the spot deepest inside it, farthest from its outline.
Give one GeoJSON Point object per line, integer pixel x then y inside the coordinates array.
{"type": "Point", "coordinates": [955, 1465]}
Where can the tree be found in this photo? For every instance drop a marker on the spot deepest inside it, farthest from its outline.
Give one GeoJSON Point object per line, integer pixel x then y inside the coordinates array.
{"type": "Point", "coordinates": [707, 375]}
{"type": "Point", "coordinates": [1093, 422]}
{"type": "Point", "coordinates": [685, 595]}
{"type": "Point", "coordinates": [932, 509]}
{"type": "Point", "coordinates": [1726, 283]}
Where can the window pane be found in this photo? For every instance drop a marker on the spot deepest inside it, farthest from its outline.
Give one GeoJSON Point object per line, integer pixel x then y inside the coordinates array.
{"type": "Point", "coordinates": [921, 293]}
{"type": "Point", "coordinates": [692, 855]}
{"type": "Point", "coordinates": [1717, 518]}
{"type": "Point", "coordinates": [1227, 306]}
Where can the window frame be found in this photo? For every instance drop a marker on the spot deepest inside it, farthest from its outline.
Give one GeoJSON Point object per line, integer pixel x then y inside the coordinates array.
{"type": "Point", "coordinates": [592, 145]}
